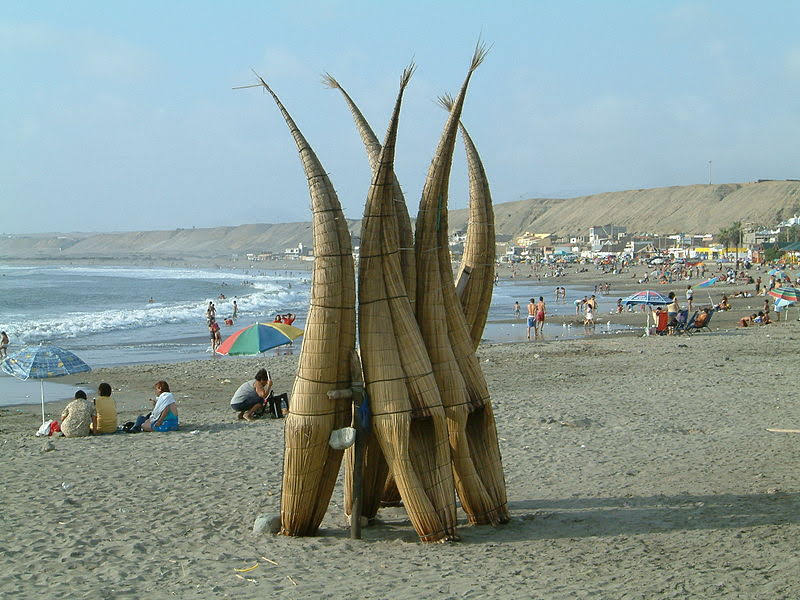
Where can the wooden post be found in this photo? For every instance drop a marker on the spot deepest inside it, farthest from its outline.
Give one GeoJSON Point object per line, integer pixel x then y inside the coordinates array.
{"type": "Point", "coordinates": [463, 280]}
{"type": "Point", "coordinates": [357, 383]}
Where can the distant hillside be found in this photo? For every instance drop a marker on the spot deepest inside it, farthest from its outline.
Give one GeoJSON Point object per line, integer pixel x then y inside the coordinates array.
{"type": "Point", "coordinates": [689, 209]}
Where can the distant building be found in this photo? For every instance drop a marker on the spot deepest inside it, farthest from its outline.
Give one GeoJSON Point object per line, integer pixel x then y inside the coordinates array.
{"type": "Point", "coordinates": [606, 232]}
{"type": "Point", "coordinates": [297, 253]}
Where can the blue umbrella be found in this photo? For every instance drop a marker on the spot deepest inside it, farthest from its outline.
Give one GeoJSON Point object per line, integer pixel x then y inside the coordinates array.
{"type": "Point", "coordinates": [648, 298]}
{"type": "Point", "coordinates": [707, 283]}
{"type": "Point", "coordinates": [42, 362]}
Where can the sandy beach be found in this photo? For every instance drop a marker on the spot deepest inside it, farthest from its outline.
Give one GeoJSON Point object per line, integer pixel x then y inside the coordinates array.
{"type": "Point", "coordinates": [637, 467]}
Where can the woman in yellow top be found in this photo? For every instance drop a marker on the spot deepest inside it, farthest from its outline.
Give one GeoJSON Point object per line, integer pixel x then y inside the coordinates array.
{"type": "Point", "coordinates": [106, 410]}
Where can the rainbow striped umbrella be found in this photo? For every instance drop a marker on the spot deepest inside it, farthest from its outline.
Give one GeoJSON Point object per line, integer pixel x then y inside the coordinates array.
{"type": "Point", "coordinates": [788, 293]}
{"type": "Point", "coordinates": [707, 283]}
{"type": "Point", "coordinates": [259, 337]}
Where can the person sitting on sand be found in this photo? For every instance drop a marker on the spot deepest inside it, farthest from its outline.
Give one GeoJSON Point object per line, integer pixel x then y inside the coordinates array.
{"type": "Point", "coordinates": [79, 418]}
{"type": "Point", "coordinates": [106, 411]}
{"type": "Point", "coordinates": [747, 321]}
{"type": "Point", "coordinates": [164, 416]}
{"type": "Point", "coordinates": [724, 304]}
{"type": "Point", "coordinates": [253, 397]}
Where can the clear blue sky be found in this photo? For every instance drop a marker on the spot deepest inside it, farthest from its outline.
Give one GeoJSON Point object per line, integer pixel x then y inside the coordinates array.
{"type": "Point", "coordinates": [120, 115]}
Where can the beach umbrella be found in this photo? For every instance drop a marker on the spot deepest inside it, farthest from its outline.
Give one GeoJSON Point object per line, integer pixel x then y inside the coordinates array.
{"type": "Point", "coordinates": [785, 296]}
{"type": "Point", "coordinates": [647, 298]}
{"type": "Point", "coordinates": [778, 273]}
{"type": "Point", "coordinates": [42, 362]}
{"type": "Point", "coordinates": [707, 283]}
{"type": "Point", "coordinates": [787, 292]}
{"type": "Point", "coordinates": [781, 304]}
{"type": "Point", "coordinates": [259, 337]}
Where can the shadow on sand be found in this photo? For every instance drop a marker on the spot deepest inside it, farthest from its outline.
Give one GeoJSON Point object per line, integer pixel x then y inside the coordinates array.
{"type": "Point", "coordinates": [608, 517]}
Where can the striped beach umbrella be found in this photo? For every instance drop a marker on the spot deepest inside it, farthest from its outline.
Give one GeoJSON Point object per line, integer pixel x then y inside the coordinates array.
{"type": "Point", "coordinates": [42, 362]}
{"type": "Point", "coordinates": [259, 337]}
{"type": "Point", "coordinates": [707, 283]}
{"type": "Point", "coordinates": [648, 297]}
{"type": "Point", "coordinates": [788, 293]}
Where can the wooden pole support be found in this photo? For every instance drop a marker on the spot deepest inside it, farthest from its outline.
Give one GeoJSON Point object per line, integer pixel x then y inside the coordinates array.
{"type": "Point", "coordinates": [357, 382]}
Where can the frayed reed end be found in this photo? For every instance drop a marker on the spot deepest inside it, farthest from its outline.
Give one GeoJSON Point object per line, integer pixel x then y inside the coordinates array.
{"type": "Point", "coordinates": [407, 73]}
{"type": "Point", "coordinates": [481, 50]}
{"type": "Point", "coordinates": [446, 101]}
{"type": "Point", "coordinates": [329, 81]}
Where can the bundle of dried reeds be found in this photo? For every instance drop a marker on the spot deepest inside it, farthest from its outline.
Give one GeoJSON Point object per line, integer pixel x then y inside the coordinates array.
{"type": "Point", "coordinates": [408, 419]}
{"type": "Point", "coordinates": [310, 465]}
{"type": "Point", "coordinates": [373, 148]}
{"type": "Point", "coordinates": [473, 437]}
{"type": "Point", "coordinates": [478, 261]}
{"type": "Point", "coordinates": [375, 468]}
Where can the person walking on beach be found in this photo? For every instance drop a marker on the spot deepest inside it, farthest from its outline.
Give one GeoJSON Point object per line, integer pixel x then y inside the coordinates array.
{"type": "Point", "coordinates": [516, 310]}
{"type": "Point", "coordinates": [216, 335]}
{"type": "Point", "coordinates": [3, 344]}
{"type": "Point", "coordinates": [211, 312]}
{"type": "Point", "coordinates": [531, 317]}
{"type": "Point", "coordinates": [235, 310]}
{"type": "Point", "coordinates": [540, 314]}
{"type": "Point", "coordinates": [689, 296]}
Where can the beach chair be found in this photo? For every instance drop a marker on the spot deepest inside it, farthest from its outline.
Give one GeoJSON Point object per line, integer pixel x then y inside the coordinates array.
{"type": "Point", "coordinates": [682, 320]}
{"type": "Point", "coordinates": [689, 326]}
{"type": "Point", "coordinates": [661, 325]}
{"type": "Point", "coordinates": [695, 328]}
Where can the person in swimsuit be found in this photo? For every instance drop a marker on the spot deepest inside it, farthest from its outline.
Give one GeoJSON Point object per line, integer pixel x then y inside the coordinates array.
{"type": "Point", "coordinates": [531, 317]}
{"type": "Point", "coordinates": [540, 314]}
{"type": "Point", "coordinates": [517, 309]}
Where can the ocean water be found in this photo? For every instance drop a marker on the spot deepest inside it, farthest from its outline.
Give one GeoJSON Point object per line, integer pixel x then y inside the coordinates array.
{"type": "Point", "coordinates": [105, 316]}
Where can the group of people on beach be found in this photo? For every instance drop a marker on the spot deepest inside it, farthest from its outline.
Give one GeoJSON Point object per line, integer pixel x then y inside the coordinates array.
{"type": "Point", "coordinates": [81, 418]}
{"type": "Point", "coordinates": [286, 319]}
{"type": "Point", "coordinates": [536, 315]}
{"type": "Point", "coordinates": [213, 327]}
